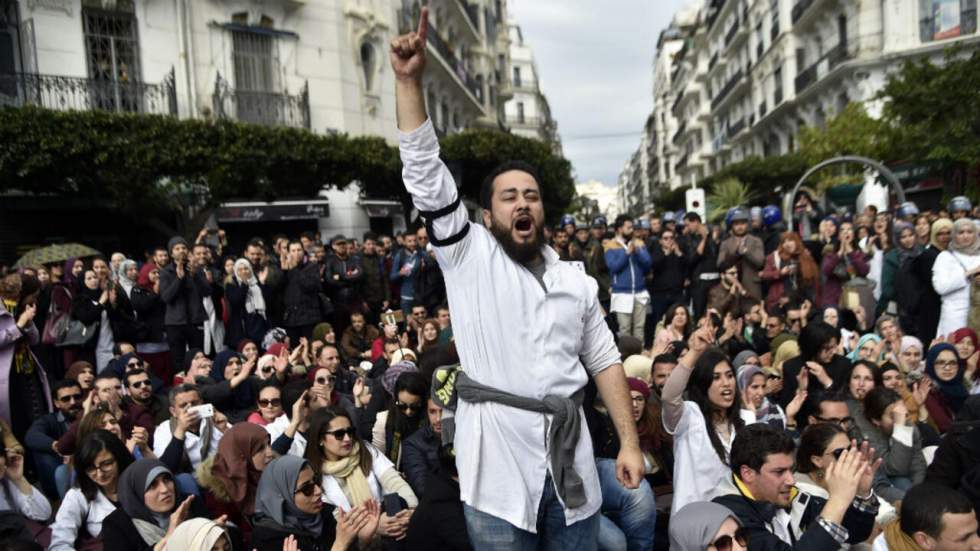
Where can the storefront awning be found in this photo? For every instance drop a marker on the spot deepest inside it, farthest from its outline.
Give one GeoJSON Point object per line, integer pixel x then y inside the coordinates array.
{"type": "Point", "coordinates": [279, 211]}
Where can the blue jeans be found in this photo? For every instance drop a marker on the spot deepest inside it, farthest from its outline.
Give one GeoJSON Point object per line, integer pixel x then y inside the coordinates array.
{"type": "Point", "coordinates": [489, 533]}
{"type": "Point", "coordinates": [629, 517]}
{"type": "Point", "coordinates": [46, 465]}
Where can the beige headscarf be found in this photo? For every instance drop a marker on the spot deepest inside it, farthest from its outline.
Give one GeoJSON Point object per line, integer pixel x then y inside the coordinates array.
{"type": "Point", "coordinates": [973, 249]}
{"type": "Point", "coordinates": [786, 351]}
{"type": "Point", "coordinates": [196, 534]}
{"type": "Point", "coordinates": [350, 476]}
{"type": "Point", "coordinates": [938, 226]}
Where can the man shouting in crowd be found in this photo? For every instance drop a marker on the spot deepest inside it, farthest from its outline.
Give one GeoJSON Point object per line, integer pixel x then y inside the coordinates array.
{"type": "Point", "coordinates": [524, 325]}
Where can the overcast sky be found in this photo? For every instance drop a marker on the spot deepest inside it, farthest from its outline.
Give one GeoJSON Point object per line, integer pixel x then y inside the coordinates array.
{"type": "Point", "coordinates": [595, 59]}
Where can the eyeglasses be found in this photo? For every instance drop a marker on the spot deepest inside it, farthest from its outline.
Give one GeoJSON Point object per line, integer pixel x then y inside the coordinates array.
{"type": "Point", "coordinates": [140, 384]}
{"type": "Point", "coordinates": [70, 398]}
{"type": "Point", "coordinates": [724, 543]}
{"type": "Point", "coordinates": [275, 402]}
{"type": "Point", "coordinates": [842, 421]}
{"type": "Point", "coordinates": [339, 434]}
{"type": "Point", "coordinates": [948, 364]}
{"type": "Point", "coordinates": [326, 380]}
{"type": "Point", "coordinates": [307, 489]}
{"type": "Point", "coordinates": [104, 466]}
{"type": "Point", "coordinates": [402, 406]}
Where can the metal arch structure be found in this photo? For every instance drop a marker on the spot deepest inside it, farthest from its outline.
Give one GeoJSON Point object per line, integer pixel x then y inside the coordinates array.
{"type": "Point", "coordinates": [883, 171]}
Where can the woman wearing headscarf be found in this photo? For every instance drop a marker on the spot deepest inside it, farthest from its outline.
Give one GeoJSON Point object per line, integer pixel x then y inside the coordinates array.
{"type": "Point", "coordinates": [955, 274]}
{"type": "Point", "coordinates": [229, 365]}
{"type": "Point", "coordinates": [150, 508]}
{"type": "Point", "coordinates": [24, 392]}
{"type": "Point", "coordinates": [229, 479]}
{"type": "Point", "coordinates": [199, 534]}
{"type": "Point", "coordinates": [152, 311]}
{"type": "Point", "coordinates": [945, 368]}
{"type": "Point", "coordinates": [704, 525]}
{"type": "Point", "coordinates": [965, 341]}
{"type": "Point", "coordinates": [790, 269]}
{"type": "Point", "coordinates": [899, 257]}
{"type": "Point", "coordinates": [289, 502]}
{"type": "Point", "coordinates": [90, 305]}
{"type": "Point", "coordinates": [247, 301]}
{"type": "Point", "coordinates": [929, 302]}
{"type": "Point", "coordinates": [910, 354]}
{"type": "Point", "coordinates": [868, 348]}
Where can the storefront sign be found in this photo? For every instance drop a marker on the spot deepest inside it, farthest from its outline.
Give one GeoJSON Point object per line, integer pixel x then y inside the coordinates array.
{"type": "Point", "coordinates": [272, 212]}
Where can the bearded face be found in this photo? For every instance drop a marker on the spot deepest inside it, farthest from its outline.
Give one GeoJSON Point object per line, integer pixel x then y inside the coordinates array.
{"type": "Point", "coordinates": [516, 215]}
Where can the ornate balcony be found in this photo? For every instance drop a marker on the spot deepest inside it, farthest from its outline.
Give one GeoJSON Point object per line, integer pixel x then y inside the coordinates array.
{"type": "Point", "coordinates": [84, 94]}
{"type": "Point", "coordinates": [726, 89]}
{"type": "Point", "coordinates": [265, 108]}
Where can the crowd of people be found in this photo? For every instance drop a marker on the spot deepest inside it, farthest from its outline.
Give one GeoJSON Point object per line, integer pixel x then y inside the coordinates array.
{"type": "Point", "coordinates": [307, 395]}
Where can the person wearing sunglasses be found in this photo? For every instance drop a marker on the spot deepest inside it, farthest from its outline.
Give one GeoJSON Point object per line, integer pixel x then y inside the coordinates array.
{"type": "Point", "coordinates": [269, 405]}
{"type": "Point", "coordinates": [108, 395]}
{"type": "Point", "coordinates": [761, 492]}
{"type": "Point", "coordinates": [140, 388]}
{"type": "Point", "coordinates": [47, 429]}
{"type": "Point", "coordinates": [289, 502]}
{"type": "Point", "coordinates": [404, 416]}
{"type": "Point", "coordinates": [706, 526]}
{"type": "Point", "coordinates": [353, 473]}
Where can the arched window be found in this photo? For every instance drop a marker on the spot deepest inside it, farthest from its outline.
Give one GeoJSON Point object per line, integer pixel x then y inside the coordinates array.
{"type": "Point", "coordinates": [368, 64]}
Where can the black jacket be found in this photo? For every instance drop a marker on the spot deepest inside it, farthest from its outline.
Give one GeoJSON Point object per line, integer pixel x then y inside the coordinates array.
{"type": "Point", "coordinates": [242, 325]}
{"type": "Point", "coordinates": [126, 325]}
{"type": "Point", "coordinates": [438, 522]}
{"type": "Point", "coordinates": [300, 302]}
{"type": "Point", "coordinates": [343, 277]}
{"type": "Point", "coordinates": [119, 532]}
{"type": "Point", "coordinates": [44, 431]}
{"type": "Point", "coordinates": [151, 312]}
{"type": "Point", "coordinates": [184, 296]}
{"type": "Point", "coordinates": [757, 518]}
{"type": "Point", "coordinates": [957, 460]}
{"type": "Point", "coordinates": [374, 284]}
{"type": "Point", "coordinates": [669, 271]}
{"type": "Point", "coordinates": [420, 458]}
{"type": "Point", "coordinates": [268, 536]}
{"type": "Point", "coordinates": [837, 369]}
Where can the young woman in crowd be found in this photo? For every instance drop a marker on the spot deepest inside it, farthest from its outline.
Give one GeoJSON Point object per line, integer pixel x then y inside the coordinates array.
{"type": "Point", "coordinates": [905, 251]}
{"type": "Point", "coordinates": [820, 445]}
{"type": "Point", "coordinates": [82, 372]}
{"type": "Point", "coordinates": [896, 440]}
{"type": "Point", "coordinates": [910, 354]}
{"type": "Point", "coordinates": [268, 405]}
{"type": "Point", "coordinates": [199, 534]}
{"type": "Point", "coordinates": [16, 493]}
{"type": "Point", "coordinates": [831, 316]}
{"type": "Point", "coordinates": [790, 269]}
{"type": "Point", "coordinates": [247, 297]}
{"type": "Point", "coordinates": [230, 478]}
{"type": "Point", "coordinates": [929, 302]}
{"type": "Point", "coordinates": [352, 472]}
{"type": "Point", "coordinates": [840, 264]}
{"type": "Point", "coordinates": [860, 381]}
{"type": "Point", "coordinates": [827, 370]}
{"type": "Point", "coordinates": [102, 418]}
{"type": "Point", "coordinates": [704, 425]}
{"type": "Point", "coordinates": [288, 502]}
{"type": "Point", "coordinates": [150, 509]}
{"type": "Point", "coordinates": [965, 341]}
{"type": "Point", "coordinates": [706, 526]}
{"type": "Point", "coordinates": [890, 376]}
{"type": "Point", "coordinates": [405, 414]}
{"type": "Point", "coordinates": [99, 461]}
{"type": "Point", "coordinates": [955, 274]}
{"type": "Point", "coordinates": [229, 368]}
{"type": "Point", "coordinates": [90, 305]}
{"type": "Point", "coordinates": [428, 336]}
{"type": "Point", "coordinates": [945, 368]}
{"type": "Point", "coordinates": [677, 327]}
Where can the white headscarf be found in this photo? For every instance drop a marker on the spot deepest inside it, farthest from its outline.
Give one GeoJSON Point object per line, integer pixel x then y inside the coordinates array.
{"type": "Point", "coordinates": [254, 301]}
{"type": "Point", "coordinates": [124, 282]}
{"type": "Point", "coordinates": [195, 534]}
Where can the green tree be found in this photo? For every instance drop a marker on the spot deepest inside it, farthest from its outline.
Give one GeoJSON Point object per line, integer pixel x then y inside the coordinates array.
{"type": "Point", "coordinates": [850, 132]}
{"type": "Point", "coordinates": [726, 194]}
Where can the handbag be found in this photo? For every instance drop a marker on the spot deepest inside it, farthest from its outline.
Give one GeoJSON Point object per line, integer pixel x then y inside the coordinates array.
{"type": "Point", "coordinates": [77, 333]}
{"type": "Point", "coordinates": [57, 319]}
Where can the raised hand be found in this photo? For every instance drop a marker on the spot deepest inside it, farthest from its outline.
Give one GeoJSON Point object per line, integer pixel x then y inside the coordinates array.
{"type": "Point", "coordinates": [349, 525]}
{"type": "Point", "coordinates": [794, 405]}
{"type": "Point", "coordinates": [920, 390]}
{"type": "Point", "coordinates": [408, 51]}
{"type": "Point", "coordinates": [27, 316]}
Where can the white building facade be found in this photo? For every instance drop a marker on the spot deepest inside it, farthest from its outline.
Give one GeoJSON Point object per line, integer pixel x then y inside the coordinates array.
{"type": "Point", "coordinates": [527, 113]}
{"type": "Point", "coordinates": [315, 64]}
{"type": "Point", "coordinates": [754, 72]}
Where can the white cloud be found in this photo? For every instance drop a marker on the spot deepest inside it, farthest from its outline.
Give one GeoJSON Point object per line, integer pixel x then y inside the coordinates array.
{"type": "Point", "coordinates": [595, 59]}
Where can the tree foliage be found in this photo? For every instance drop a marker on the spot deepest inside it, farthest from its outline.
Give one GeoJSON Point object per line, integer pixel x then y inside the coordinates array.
{"type": "Point", "coordinates": [153, 164]}
{"type": "Point", "coordinates": [765, 177]}
{"type": "Point", "coordinates": [850, 132]}
{"type": "Point", "coordinates": [726, 194]}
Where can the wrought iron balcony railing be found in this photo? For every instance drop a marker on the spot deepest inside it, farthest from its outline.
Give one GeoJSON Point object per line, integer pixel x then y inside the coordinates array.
{"type": "Point", "coordinates": [266, 108]}
{"type": "Point", "coordinates": [726, 89]}
{"type": "Point", "coordinates": [84, 94]}
{"type": "Point", "coordinates": [799, 9]}
{"type": "Point", "coordinates": [806, 78]}
{"type": "Point", "coordinates": [450, 58]}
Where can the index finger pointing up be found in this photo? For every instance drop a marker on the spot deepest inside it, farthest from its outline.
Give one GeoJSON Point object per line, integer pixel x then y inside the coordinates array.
{"type": "Point", "coordinates": [423, 23]}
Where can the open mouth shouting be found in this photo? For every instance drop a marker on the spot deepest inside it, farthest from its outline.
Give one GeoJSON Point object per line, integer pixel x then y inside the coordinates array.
{"type": "Point", "coordinates": [728, 395]}
{"type": "Point", "coordinates": [524, 226]}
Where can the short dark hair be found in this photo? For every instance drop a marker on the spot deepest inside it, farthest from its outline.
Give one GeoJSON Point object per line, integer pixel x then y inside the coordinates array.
{"type": "Point", "coordinates": [309, 235]}
{"type": "Point", "coordinates": [62, 384]}
{"type": "Point", "coordinates": [180, 389]}
{"type": "Point", "coordinates": [754, 443]}
{"type": "Point", "coordinates": [665, 359]}
{"type": "Point", "coordinates": [814, 441]}
{"type": "Point", "coordinates": [106, 375]}
{"type": "Point", "coordinates": [814, 336]}
{"type": "Point", "coordinates": [370, 236]}
{"type": "Point", "coordinates": [133, 372]}
{"type": "Point", "coordinates": [620, 220]}
{"type": "Point", "coordinates": [878, 400]}
{"type": "Point", "coordinates": [84, 459]}
{"type": "Point", "coordinates": [486, 188]}
{"type": "Point", "coordinates": [291, 392]}
{"type": "Point", "coordinates": [691, 215]}
{"type": "Point", "coordinates": [813, 401]}
{"type": "Point", "coordinates": [925, 504]}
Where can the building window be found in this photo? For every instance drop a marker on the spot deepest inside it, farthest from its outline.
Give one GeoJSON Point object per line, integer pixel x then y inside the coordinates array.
{"type": "Point", "coordinates": [942, 19]}
{"type": "Point", "coordinates": [113, 56]}
{"type": "Point", "coordinates": [777, 92]}
{"type": "Point", "coordinates": [368, 65]}
{"type": "Point", "coordinates": [774, 9]}
{"type": "Point", "coordinates": [520, 112]}
{"type": "Point", "coordinates": [9, 47]}
{"type": "Point", "coordinates": [444, 116]}
{"type": "Point", "coordinates": [254, 62]}
{"type": "Point", "coordinates": [517, 77]}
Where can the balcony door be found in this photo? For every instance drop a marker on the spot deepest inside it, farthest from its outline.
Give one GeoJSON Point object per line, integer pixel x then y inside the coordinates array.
{"type": "Point", "coordinates": [112, 54]}
{"type": "Point", "coordinates": [256, 68]}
